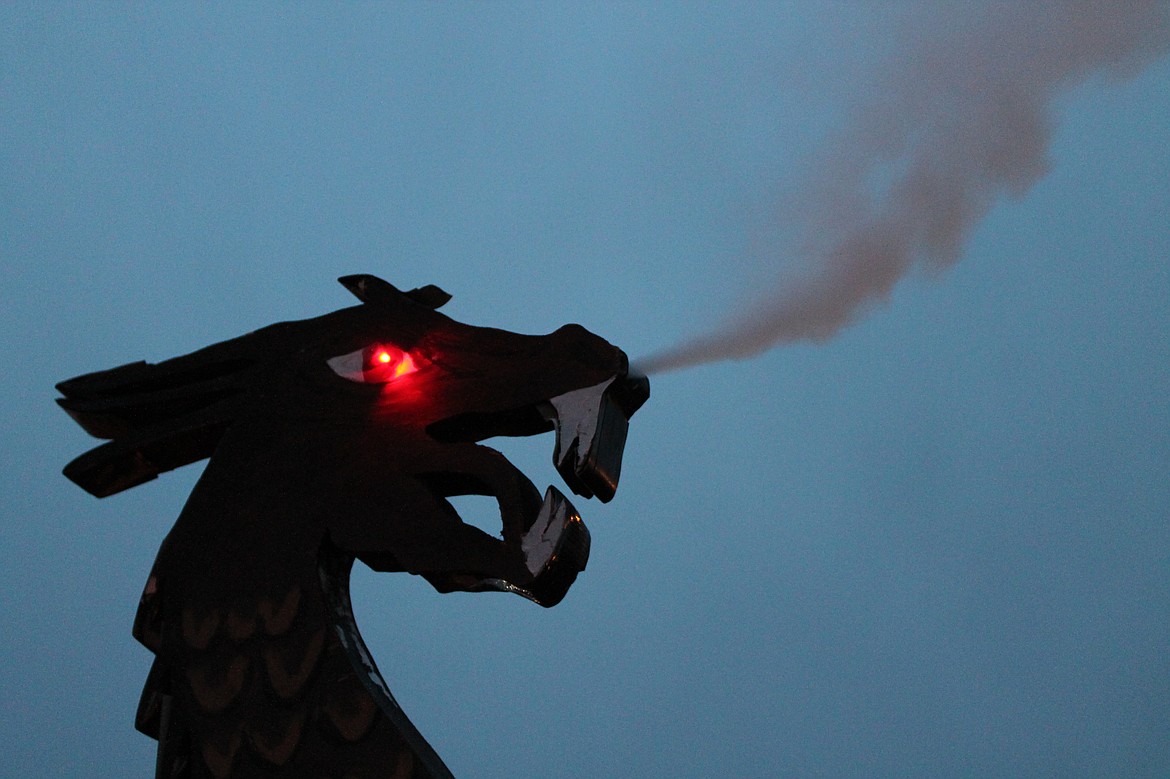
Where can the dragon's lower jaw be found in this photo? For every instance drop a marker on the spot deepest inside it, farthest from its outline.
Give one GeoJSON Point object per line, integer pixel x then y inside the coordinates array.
{"type": "Point", "coordinates": [556, 549]}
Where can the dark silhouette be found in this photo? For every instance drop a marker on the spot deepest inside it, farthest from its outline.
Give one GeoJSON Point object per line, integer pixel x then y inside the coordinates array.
{"type": "Point", "coordinates": [332, 439]}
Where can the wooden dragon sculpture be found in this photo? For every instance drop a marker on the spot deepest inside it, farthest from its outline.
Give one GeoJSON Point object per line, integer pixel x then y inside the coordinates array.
{"type": "Point", "coordinates": [333, 439]}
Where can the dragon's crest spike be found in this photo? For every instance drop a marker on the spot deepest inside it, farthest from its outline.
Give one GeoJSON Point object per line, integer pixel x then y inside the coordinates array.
{"type": "Point", "coordinates": [368, 288]}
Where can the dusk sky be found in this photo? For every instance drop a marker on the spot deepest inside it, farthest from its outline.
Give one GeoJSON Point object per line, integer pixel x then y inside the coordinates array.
{"type": "Point", "coordinates": [925, 535]}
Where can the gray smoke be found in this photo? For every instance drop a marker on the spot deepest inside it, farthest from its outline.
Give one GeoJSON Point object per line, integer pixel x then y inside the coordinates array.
{"type": "Point", "coordinates": [961, 117]}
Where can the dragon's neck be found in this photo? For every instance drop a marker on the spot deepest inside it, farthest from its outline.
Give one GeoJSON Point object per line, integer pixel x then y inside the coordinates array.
{"type": "Point", "coordinates": [334, 569]}
{"type": "Point", "coordinates": [275, 681]}
{"type": "Point", "coordinates": [260, 668]}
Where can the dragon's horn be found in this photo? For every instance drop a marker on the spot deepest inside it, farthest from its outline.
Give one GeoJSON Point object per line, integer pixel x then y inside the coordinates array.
{"type": "Point", "coordinates": [371, 289]}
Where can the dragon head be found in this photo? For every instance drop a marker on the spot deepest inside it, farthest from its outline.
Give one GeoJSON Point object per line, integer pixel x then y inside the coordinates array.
{"type": "Point", "coordinates": [391, 391]}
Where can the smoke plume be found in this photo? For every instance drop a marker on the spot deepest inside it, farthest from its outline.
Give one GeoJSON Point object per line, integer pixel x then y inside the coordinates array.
{"type": "Point", "coordinates": [960, 117]}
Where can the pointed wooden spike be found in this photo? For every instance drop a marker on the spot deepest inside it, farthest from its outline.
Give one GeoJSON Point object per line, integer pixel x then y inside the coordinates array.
{"type": "Point", "coordinates": [371, 289]}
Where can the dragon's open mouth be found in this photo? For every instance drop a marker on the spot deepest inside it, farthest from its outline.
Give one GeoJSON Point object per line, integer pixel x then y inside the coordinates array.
{"type": "Point", "coordinates": [591, 425]}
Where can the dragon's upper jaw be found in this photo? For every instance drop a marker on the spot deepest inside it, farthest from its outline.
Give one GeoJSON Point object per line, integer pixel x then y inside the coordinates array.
{"type": "Point", "coordinates": [591, 425]}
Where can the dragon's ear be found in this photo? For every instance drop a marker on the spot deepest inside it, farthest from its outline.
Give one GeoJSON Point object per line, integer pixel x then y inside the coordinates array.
{"type": "Point", "coordinates": [371, 289]}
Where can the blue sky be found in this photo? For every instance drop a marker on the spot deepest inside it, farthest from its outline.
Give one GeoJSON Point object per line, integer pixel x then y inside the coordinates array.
{"type": "Point", "coordinates": [936, 545]}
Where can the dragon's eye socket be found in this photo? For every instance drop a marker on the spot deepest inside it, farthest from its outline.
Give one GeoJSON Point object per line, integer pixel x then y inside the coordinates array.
{"type": "Point", "coordinates": [375, 364]}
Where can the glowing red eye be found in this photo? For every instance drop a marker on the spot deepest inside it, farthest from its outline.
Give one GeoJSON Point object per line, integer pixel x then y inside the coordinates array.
{"type": "Point", "coordinates": [387, 363]}
{"type": "Point", "coordinates": [375, 364]}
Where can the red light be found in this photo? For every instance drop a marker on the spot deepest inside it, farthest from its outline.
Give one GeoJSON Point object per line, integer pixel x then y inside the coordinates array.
{"type": "Point", "coordinates": [404, 366]}
{"type": "Point", "coordinates": [388, 363]}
